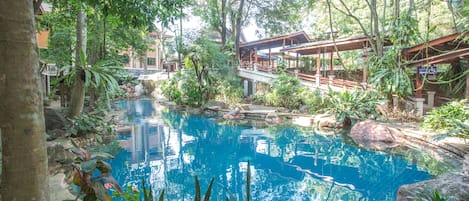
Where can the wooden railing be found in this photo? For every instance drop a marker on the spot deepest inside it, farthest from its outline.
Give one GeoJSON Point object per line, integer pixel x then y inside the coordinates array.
{"type": "Point", "coordinates": [323, 80]}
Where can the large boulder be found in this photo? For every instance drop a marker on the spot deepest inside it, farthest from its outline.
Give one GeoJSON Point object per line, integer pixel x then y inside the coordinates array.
{"type": "Point", "coordinates": [54, 120]}
{"type": "Point", "coordinates": [465, 165]}
{"type": "Point", "coordinates": [214, 104]}
{"type": "Point", "coordinates": [326, 121]}
{"type": "Point", "coordinates": [234, 115]}
{"type": "Point", "coordinates": [450, 186]}
{"type": "Point", "coordinates": [56, 133]}
{"type": "Point", "coordinates": [57, 154]}
{"type": "Point", "coordinates": [371, 134]}
{"type": "Point", "coordinates": [273, 118]}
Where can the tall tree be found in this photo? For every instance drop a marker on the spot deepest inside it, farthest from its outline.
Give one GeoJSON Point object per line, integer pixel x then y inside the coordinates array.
{"type": "Point", "coordinates": [238, 25]}
{"type": "Point", "coordinates": [78, 90]}
{"type": "Point", "coordinates": [24, 169]}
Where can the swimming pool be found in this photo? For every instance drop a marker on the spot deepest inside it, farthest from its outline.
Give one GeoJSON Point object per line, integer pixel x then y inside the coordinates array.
{"type": "Point", "coordinates": [167, 149]}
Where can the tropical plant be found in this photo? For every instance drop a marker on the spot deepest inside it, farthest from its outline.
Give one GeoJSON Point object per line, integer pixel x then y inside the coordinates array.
{"type": "Point", "coordinates": [317, 103]}
{"type": "Point", "coordinates": [132, 194]}
{"type": "Point", "coordinates": [285, 92]}
{"type": "Point", "coordinates": [387, 72]}
{"type": "Point", "coordinates": [92, 123]}
{"type": "Point", "coordinates": [93, 187]}
{"type": "Point", "coordinates": [452, 117]}
{"type": "Point", "coordinates": [101, 77]}
{"type": "Point", "coordinates": [386, 78]}
{"type": "Point", "coordinates": [352, 106]}
{"type": "Point", "coordinates": [229, 91]}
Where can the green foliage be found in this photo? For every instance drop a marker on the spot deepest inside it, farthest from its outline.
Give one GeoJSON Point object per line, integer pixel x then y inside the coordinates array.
{"type": "Point", "coordinates": [229, 91]}
{"type": "Point", "coordinates": [452, 117]}
{"type": "Point", "coordinates": [317, 103]}
{"type": "Point", "coordinates": [352, 106]}
{"type": "Point", "coordinates": [387, 78]}
{"type": "Point", "coordinates": [206, 77]}
{"type": "Point", "coordinates": [183, 89]}
{"type": "Point", "coordinates": [387, 73]}
{"type": "Point", "coordinates": [86, 163]}
{"type": "Point", "coordinates": [170, 90]}
{"type": "Point", "coordinates": [285, 92]}
{"type": "Point", "coordinates": [91, 123]}
{"type": "Point", "coordinates": [437, 196]}
{"type": "Point", "coordinates": [132, 194]}
{"type": "Point", "coordinates": [428, 195]}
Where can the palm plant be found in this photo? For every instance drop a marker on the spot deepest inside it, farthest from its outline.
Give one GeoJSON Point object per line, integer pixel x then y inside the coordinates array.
{"type": "Point", "coordinates": [101, 77]}
{"type": "Point", "coordinates": [352, 106]}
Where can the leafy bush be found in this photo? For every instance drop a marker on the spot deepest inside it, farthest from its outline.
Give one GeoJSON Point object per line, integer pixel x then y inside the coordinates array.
{"type": "Point", "coordinates": [169, 89]}
{"type": "Point", "coordinates": [351, 106]}
{"type": "Point", "coordinates": [230, 92]}
{"type": "Point", "coordinates": [285, 92]}
{"type": "Point", "coordinates": [259, 98]}
{"type": "Point", "coordinates": [85, 165]}
{"type": "Point", "coordinates": [183, 90]}
{"type": "Point", "coordinates": [91, 123]}
{"type": "Point", "coordinates": [453, 116]}
{"type": "Point", "coordinates": [316, 102]}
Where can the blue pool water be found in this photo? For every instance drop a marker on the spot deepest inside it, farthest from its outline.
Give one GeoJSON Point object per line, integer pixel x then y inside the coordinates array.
{"type": "Point", "coordinates": [167, 149]}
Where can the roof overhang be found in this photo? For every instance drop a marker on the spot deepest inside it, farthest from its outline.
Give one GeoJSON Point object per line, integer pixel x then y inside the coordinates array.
{"type": "Point", "coordinates": [449, 57]}
{"type": "Point", "coordinates": [278, 41]}
{"type": "Point", "coordinates": [439, 46]}
{"type": "Point", "coordinates": [344, 44]}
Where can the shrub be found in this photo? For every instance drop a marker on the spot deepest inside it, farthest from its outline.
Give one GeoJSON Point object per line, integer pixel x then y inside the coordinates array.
{"type": "Point", "coordinates": [452, 117]}
{"type": "Point", "coordinates": [91, 123]}
{"type": "Point", "coordinates": [351, 106]}
{"type": "Point", "coordinates": [169, 89]}
{"type": "Point", "coordinates": [285, 92]}
{"type": "Point", "coordinates": [229, 92]}
{"type": "Point", "coordinates": [316, 102]}
{"type": "Point", "coordinates": [85, 166]}
{"type": "Point", "coordinates": [183, 90]}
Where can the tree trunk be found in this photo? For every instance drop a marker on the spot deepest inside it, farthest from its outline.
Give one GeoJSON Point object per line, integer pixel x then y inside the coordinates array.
{"type": "Point", "coordinates": [179, 42]}
{"type": "Point", "coordinates": [24, 170]}
{"type": "Point", "coordinates": [78, 91]}
{"type": "Point", "coordinates": [237, 31]}
{"type": "Point", "coordinates": [223, 22]}
{"type": "Point", "coordinates": [376, 32]}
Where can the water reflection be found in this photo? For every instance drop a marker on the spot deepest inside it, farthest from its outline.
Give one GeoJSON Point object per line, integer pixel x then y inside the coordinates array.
{"type": "Point", "coordinates": [167, 149]}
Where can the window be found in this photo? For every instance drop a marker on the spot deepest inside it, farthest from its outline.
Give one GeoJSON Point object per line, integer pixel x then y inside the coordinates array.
{"type": "Point", "coordinates": [151, 61]}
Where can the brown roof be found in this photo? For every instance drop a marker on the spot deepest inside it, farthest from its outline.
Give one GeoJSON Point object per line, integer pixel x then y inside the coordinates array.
{"type": "Point", "coordinates": [344, 44]}
{"type": "Point", "coordinates": [294, 38]}
{"type": "Point", "coordinates": [448, 57]}
{"type": "Point", "coordinates": [439, 46]}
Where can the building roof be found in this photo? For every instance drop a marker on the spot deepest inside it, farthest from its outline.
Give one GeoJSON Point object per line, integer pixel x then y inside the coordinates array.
{"type": "Point", "coordinates": [448, 57]}
{"type": "Point", "coordinates": [344, 44]}
{"type": "Point", "coordinates": [446, 45]}
{"type": "Point", "coordinates": [277, 41]}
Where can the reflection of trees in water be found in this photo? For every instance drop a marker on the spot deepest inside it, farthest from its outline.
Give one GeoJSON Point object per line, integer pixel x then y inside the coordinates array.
{"type": "Point", "coordinates": [306, 166]}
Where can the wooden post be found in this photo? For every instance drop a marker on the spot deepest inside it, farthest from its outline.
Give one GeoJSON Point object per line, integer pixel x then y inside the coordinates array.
{"type": "Point", "coordinates": [270, 58]}
{"type": "Point", "coordinates": [297, 60]}
{"type": "Point", "coordinates": [331, 67]}
{"type": "Point", "coordinates": [467, 79]}
{"type": "Point", "coordinates": [255, 55]}
{"type": "Point", "coordinates": [418, 84]}
{"type": "Point", "coordinates": [365, 73]}
{"type": "Point", "coordinates": [318, 63]}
